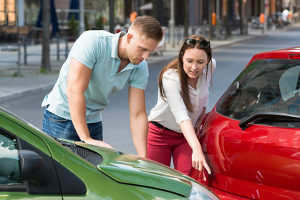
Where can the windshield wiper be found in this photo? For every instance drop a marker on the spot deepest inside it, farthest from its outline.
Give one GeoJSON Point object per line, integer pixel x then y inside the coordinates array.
{"type": "Point", "coordinates": [268, 115]}
{"type": "Point", "coordinates": [67, 144]}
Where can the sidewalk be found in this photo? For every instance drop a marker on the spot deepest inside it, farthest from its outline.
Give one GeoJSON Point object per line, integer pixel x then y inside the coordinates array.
{"type": "Point", "coordinates": [32, 81]}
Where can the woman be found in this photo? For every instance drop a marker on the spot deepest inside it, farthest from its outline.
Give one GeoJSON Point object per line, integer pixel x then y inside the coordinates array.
{"type": "Point", "coordinates": [181, 106]}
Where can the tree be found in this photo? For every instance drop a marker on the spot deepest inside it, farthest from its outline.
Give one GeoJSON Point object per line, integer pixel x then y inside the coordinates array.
{"type": "Point", "coordinates": [73, 25]}
{"type": "Point", "coordinates": [186, 18]}
{"type": "Point", "coordinates": [242, 17]}
{"type": "Point", "coordinates": [111, 16]}
{"type": "Point", "coordinates": [46, 67]}
{"type": "Point", "coordinates": [99, 23]}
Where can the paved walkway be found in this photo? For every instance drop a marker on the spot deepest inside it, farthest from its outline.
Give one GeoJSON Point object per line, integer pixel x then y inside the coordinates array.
{"type": "Point", "coordinates": [32, 81]}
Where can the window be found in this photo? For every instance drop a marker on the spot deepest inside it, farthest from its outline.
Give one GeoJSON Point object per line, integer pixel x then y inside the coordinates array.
{"type": "Point", "coordinates": [9, 161]}
{"type": "Point", "coordinates": [270, 85]}
{"type": "Point", "coordinates": [2, 13]}
{"type": "Point", "coordinates": [39, 169]}
{"type": "Point", "coordinates": [11, 12]}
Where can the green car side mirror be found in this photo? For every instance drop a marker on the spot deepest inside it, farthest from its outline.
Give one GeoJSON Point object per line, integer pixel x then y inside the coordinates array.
{"type": "Point", "coordinates": [32, 167]}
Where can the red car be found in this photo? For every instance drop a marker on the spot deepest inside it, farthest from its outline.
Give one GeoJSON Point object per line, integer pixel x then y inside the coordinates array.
{"type": "Point", "coordinates": [252, 136]}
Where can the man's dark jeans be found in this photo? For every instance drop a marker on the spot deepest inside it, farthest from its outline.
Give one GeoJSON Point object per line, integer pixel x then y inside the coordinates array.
{"type": "Point", "coordinates": [59, 127]}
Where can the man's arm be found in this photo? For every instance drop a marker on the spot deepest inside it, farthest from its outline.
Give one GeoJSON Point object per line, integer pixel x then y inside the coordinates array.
{"type": "Point", "coordinates": [78, 80]}
{"type": "Point", "coordinates": [138, 119]}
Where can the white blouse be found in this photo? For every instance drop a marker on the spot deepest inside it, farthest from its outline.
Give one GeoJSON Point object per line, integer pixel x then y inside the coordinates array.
{"type": "Point", "coordinates": [171, 112]}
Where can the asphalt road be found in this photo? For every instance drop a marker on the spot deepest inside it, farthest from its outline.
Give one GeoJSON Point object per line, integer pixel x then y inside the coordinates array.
{"type": "Point", "coordinates": [230, 62]}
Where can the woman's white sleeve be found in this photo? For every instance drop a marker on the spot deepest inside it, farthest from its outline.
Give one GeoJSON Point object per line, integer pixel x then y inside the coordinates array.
{"type": "Point", "coordinates": [172, 91]}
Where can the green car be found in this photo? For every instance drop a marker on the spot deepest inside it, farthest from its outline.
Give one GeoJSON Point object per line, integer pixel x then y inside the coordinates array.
{"type": "Point", "coordinates": [34, 165]}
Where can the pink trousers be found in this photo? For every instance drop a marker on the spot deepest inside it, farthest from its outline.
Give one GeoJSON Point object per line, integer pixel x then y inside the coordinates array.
{"type": "Point", "coordinates": [162, 144]}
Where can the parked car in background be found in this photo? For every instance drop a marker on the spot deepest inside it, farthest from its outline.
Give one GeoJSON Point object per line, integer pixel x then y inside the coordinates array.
{"type": "Point", "coordinates": [252, 135]}
{"type": "Point", "coordinates": [34, 165]}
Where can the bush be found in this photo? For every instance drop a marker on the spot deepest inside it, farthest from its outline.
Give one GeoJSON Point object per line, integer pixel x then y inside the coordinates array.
{"type": "Point", "coordinates": [99, 23]}
{"type": "Point", "coordinates": [73, 25]}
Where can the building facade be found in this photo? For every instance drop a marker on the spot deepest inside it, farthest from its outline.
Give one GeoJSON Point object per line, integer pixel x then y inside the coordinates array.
{"type": "Point", "coordinates": [25, 12]}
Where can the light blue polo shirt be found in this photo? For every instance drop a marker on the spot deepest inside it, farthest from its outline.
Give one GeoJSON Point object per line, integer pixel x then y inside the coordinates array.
{"type": "Point", "coordinates": [98, 50]}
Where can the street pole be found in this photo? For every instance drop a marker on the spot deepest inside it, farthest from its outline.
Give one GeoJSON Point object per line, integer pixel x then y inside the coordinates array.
{"type": "Point", "coordinates": [136, 7]}
{"type": "Point", "coordinates": [241, 11]}
{"type": "Point", "coordinates": [186, 18]}
{"type": "Point", "coordinates": [266, 5]}
{"type": "Point", "coordinates": [211, 10]}
{"type": "Point", "coordinates": [298, 9]}
{"type": "Point", "coordinates": [20, 14]}
{"type": "Point", "coordinates": [218, 10]}
{"type": "Point", "coordinates": [246, 16]}
{"type": "Point", "coordinates": [81, 17]}
{"type": "Point", "coordinates": [160, 11]}
{"type": "Point", "coordinates": [21, 17]}
{"type": "Point", "coordinates": [172, 23]}
{"type": "Point", "coordinates": [291, 6]}
{"type": "Point", "coordinates": [46, 36]}
{"type": "Point", "coordinates": [111, 16]}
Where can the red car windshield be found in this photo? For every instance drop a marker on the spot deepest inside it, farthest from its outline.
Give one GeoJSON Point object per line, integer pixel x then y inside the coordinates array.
{"type": "Point", "coordinates": [269, 85]}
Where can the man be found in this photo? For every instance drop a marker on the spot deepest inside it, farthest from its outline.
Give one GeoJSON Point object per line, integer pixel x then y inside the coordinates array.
{"type": "Point", "coordinates": [99, 64]}
{"type": "Point", "coordinates": [285, 16]}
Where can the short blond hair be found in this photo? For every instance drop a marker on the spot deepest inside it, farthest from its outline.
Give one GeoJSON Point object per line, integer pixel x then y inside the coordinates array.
{"type": "Point", "coordinates": [148, 26]}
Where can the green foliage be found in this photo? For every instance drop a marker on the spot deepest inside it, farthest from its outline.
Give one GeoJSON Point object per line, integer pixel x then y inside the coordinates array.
{"type": "Point", "coordinates": [73, 25]}
{"type": "Point", "coordinates": [86, 22]}
{"type": "Point", "coordinates": [43, 70]}
{"type": "Point", "coordinates": [99, 23]}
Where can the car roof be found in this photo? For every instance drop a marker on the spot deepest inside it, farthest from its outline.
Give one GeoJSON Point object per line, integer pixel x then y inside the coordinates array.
{"type": "Point", "coordinates": [288, 53]}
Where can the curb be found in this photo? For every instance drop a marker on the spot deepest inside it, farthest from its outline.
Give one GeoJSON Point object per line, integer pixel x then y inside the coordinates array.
{"type": "Point", "coordinates": [21, 94]}
{"type": "Point", "coordinates": [239, 41]}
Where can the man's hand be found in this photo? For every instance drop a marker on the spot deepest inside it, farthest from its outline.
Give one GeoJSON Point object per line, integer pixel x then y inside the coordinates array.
{"type": "Point", "coordinates": [98, 143]}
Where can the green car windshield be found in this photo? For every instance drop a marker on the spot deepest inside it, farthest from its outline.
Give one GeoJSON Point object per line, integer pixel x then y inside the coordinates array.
{"type": "Point", "coordinates": [265, 86]}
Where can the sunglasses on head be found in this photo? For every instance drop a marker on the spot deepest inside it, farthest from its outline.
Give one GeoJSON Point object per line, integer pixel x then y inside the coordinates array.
{"type": "Point", "coordinates": [194, 42]}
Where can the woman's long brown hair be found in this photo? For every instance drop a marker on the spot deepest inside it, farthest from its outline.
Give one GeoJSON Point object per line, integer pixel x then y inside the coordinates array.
{"type": "Point", "coordinates": [178, 64]}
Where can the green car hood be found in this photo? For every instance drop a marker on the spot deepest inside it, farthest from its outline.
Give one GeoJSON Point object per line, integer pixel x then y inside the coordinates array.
{"type": "Point", "coordinates": [131, 169]}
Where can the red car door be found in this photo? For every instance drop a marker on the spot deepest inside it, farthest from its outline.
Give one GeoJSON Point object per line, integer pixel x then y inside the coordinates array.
{"type": "Point", "coordinates": [252, 136]}
{"type": "Point", "coordinates": [260, 162]}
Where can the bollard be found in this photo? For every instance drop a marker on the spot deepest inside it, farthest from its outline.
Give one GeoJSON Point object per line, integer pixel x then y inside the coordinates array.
{"type": "Point", "coordinates": [67, 47]}
{"type": "Point", "coordinates": [57, 48]}
{"type": "Point", "coordinates": [25, 51]}
{"type": "Point", "coordinates": [19, 72]}
{"type": "Point", "coordinates": [262, 21]}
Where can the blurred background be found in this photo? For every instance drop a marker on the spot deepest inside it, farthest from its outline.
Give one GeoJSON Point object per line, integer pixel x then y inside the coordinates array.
{"type": "Point", "coordinates": [29, 22]}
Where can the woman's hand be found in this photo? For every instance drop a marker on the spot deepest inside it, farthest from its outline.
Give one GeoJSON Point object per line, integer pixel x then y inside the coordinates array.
{"type": "Point", "coordinates": [198, 161]}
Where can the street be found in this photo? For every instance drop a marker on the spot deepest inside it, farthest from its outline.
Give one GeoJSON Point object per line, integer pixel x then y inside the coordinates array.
{"type": "Point", "coordinates": [230, 61]}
